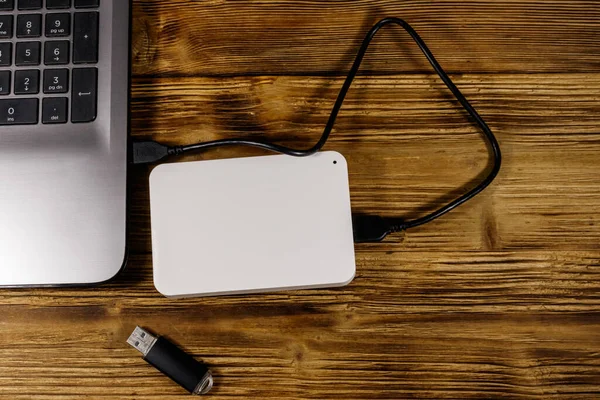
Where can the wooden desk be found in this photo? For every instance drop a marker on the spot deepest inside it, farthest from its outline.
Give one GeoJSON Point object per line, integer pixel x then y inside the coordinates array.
{"type": "Point", "coordinates": [499, 299]}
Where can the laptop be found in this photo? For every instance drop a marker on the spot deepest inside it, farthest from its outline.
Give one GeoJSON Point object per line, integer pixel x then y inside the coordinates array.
{"type": "Point", "coordinates": [64, 104]}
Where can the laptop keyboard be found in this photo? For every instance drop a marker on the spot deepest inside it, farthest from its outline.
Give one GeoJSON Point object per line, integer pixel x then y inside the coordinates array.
{"type": "Point", "coordinates": [48, 57]}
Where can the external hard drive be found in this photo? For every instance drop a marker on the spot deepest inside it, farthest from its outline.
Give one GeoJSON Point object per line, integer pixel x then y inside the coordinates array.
{"type": "Point", "coordinates": [249, 225]}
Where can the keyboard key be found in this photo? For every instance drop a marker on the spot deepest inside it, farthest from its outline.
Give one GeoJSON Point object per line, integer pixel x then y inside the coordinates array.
{"type": "Point", "coordinates": [87, 3]}
{"type": "Point", "coordinates": [29, 4]}
{"type": "Point", "coordinates": [84, 96]}
{"type": "Point", "coordinates": [85, 38]}
{"type": "Point", "coordinates": [6, 26]}
{"type": "Point", "coordinates": [28, 53]}
{"type": "Point", "coordinates": [57, 4]}
{"type": "Point", "coordinates": [4, 82]}
{"type": "Point", "coordinates": [54, 110]}
{"type": "Point", "coordinates": [56, 81]}
{"type": "Point", "coordinates": [27, 82]}
{"type": "Point", "coordinates": [5, 54]}
{"type": "Point", "coordinates": [19, 111]}
{"type": "Point", "coordinates": [58, 25]}
{"type": "Point", "coordinates": [7, 5]}
{"type": "Point", "coordinates": [29, 25]}
{"type": "Point", "coordinates": [56, 52]}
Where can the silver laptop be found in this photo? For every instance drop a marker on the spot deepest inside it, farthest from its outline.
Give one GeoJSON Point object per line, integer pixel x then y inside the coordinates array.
{"type": "Point", "coordinates": [64, 91]}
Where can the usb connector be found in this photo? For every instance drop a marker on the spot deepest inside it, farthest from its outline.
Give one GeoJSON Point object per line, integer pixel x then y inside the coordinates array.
{"type": "Point", "coordinates": [142, 341]}
{"type": "Point", "coordinates": [169, 359]}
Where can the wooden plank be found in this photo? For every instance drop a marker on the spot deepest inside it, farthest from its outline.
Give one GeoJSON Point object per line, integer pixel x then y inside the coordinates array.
{"type": "Point", "coordinates": [180, 37]}
{"type": "Point", "coordinates": [413, 324]}
{"type": "Point", "coordinates": [400, 134]}
{"type": "Point", "coordinates": [416, 281]}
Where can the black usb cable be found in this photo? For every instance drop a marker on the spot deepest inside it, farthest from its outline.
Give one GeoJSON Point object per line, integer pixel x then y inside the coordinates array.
{"type": "Point", "coordinates": [367, 228]}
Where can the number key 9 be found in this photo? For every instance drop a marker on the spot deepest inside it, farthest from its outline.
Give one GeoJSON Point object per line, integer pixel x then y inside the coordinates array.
{"type": "Point", "coordinates": [58, 25]}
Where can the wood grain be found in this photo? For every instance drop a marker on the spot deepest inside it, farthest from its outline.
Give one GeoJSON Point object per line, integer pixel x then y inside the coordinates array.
{"type": "Point", "coordinates": [499, 299]}
{"type": "Point", "coordinates": [218, 37]}
{"type": "Point", "coordinates": [413, 324]}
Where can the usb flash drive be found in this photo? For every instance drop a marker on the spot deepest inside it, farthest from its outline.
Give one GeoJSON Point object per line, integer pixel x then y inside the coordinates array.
{"type": "Point", "coordinates": [169, 359]}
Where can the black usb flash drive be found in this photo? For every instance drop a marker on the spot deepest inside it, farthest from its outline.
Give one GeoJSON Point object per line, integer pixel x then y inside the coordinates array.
{"type": "Point", "coordinates": [169, 359]}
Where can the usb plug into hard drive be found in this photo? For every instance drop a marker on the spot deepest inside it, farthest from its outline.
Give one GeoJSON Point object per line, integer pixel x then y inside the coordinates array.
{"type": "Point", "coordinates": [169, 359]}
